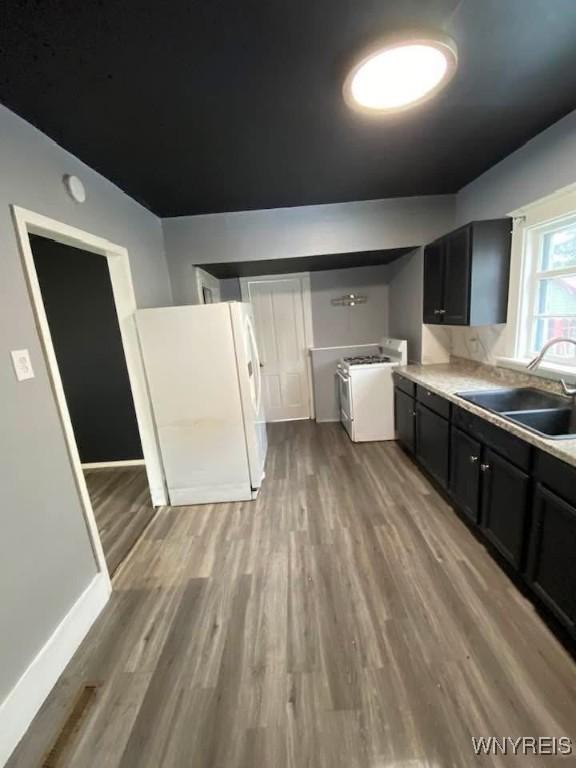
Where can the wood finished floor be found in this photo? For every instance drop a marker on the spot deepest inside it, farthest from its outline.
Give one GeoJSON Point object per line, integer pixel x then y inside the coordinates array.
{"type": "Point", "coordinates": [122, 508]}
{"type": "Point", "coordinates": [346, 619]}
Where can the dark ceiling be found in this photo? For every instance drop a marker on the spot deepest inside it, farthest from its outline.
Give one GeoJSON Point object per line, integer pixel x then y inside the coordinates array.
{"type": "Point", "coordinates": [220, 105]}
{"type": "Point", "coordinates": [316, 263]}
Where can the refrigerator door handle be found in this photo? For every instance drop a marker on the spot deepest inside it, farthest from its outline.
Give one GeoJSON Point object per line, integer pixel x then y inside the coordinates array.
{"type": "Point", "coordinates": [258, 365]}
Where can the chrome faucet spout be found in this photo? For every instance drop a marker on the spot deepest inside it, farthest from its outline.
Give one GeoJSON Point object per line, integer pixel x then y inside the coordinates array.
{"type": "Point", "coordinates": [535, 362]}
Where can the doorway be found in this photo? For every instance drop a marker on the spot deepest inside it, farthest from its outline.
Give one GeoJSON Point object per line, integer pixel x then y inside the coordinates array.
{"type": "Point", "coordinates": [108, 500]}
{"type": "Point", "coordinates": [283, 324]}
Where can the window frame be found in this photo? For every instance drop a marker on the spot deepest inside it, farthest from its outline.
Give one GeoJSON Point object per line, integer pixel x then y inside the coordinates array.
{"type": "Point", "coordinates": [532, 257]}
{"type": "Point", "coordinates": [530, 224]}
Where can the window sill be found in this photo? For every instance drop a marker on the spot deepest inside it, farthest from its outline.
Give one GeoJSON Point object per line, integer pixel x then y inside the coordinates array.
{"type": "Point", "coordinates": [545, 370]}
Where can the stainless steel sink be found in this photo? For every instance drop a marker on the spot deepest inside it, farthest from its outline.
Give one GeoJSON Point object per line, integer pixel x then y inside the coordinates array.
{"type": "Point", "coordinates": [544, 413]}
{"type": "Point", "coordinates": [559, 423]}
{"type": "Point", "coordinates": [519, 399]}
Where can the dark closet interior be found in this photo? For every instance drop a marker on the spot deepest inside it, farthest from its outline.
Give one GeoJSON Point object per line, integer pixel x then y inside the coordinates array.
{"type": "Point", "coordinates": [79, 303]}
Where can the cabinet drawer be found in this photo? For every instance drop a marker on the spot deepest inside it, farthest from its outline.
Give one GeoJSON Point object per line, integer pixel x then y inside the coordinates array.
{"type": "Point", "coordinates": [405, 385]}
{"type": "Point", "coordinates": [507, 445]}
{"type": "Point", "coordinates": [433, 401]}
{"type": "Point", "coordinates": [556, 475]}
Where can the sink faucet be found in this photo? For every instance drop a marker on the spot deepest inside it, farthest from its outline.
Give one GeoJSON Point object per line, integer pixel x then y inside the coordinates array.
{"type": "Point", "coordinates": [533, 364]}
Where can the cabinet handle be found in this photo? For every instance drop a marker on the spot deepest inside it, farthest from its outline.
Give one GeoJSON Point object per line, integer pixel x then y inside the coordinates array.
{"type": "Point", "coordinates": [484, 467]}
{"type": "Point", "coordinates": [473, 459]}
{"type": "Point", "coordinates": [429, 394]}
{"type": "Point", "coordinates": [437, 311]}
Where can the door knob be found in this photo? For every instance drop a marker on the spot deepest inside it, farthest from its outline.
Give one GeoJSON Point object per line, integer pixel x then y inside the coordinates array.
{"type": "Point", "coordinates": [473, 459]}
{"type": "Point", "coordinates": [484, 467]}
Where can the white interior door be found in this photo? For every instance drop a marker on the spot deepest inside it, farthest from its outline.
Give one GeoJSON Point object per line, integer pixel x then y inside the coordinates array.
{"type": "Point", "coordinates": [281, 306]}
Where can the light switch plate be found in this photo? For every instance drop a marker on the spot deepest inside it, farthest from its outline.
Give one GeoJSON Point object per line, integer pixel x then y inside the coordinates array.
{"type": "Point", "coordinates": [22, 364]}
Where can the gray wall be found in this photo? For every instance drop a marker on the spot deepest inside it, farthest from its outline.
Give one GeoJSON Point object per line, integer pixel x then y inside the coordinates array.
{"type": "Point", "coordinates": [405, 302]}
{"type": "Point", "coordinates": [361, 324]}
{"type": "Point", "coordinates": [45, 556]}
{"type": "Point", "coordinates": [540, 167]}
{"type": "Point", "coordinates": [332, 325]}
{"type": "Point", "coordinates": [300, 231]}
{"type": "Point", "coordinates": [230, 289]}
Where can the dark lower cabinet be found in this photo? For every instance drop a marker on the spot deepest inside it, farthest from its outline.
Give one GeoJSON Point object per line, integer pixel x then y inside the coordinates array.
{"type": "Point", "coordinates": [404, 416]}
{"type": "Point", "coordinates": [491, 476]}
{"type": "Point", "coordinates": [504, 491]}
{"type": "Point", "coordinates": [465, 455]}
{"type": "Point", "coordinates": [433, 443]}
{"type": "Point", "coordinates": [552, 561]}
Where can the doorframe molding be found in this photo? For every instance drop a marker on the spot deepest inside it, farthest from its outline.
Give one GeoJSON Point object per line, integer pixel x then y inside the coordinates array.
{"type": "Point", "coordinates": [123, 463]}
{"type": "Point", "coordinates": [304, 278]}
{"type": "Point", "coordinates": [28, 222]}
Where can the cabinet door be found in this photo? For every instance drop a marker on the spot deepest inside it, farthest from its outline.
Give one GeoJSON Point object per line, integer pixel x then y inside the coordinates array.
{"type": "Point", "coordinates": [552, 565]}
{"type": "Point", "coordinates": [432, 443]}
{"type": "Point", "coordinates": [504, 505]}
{"type": "Point", "coordinates": [404, 412]}
{"type": "Point", "coordinates": [465, 455]}
{"type": "Point", "coordinates": [457, 258]}
{"type": "Point", "coordinates": [433, 282]}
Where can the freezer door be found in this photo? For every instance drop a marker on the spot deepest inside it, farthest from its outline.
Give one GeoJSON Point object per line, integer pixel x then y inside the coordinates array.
{"type": "Point", "coordinates": [190, 360]}
{"type": "Point", "coordinates": [250, 377]}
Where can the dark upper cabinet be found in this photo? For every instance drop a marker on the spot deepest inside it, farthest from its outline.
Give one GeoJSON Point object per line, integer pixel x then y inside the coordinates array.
{"type": "Point", "coordinates": [505, 492]}
{"type": "Point", "coordinates": [465, 455]}
{"type": "Point", "coordinates": [456, 278]}
{"type": "Point", "coordinates": [552, 562]}
{"type": "Point", "coordinates": [433, 442]}
{"type": "Point", "coordinates": [466, 275]}
{"type": "Point", "coordinates": [404, 417]}
{"type": "Point", "coordinates": [433, 281]}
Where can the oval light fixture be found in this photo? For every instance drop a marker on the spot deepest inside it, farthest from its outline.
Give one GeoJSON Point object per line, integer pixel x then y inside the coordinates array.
{"type": "Point", "coordinates": [401, 72]}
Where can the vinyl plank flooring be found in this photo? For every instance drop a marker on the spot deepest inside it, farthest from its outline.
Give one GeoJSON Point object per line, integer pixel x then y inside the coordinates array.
{"type": "Point", "coordinates": [345, 618]}
{"type": "Point", "coordinates": [122, 509]}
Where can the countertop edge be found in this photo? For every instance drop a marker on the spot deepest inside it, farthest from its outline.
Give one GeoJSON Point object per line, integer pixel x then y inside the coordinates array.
{"type": "Point", "coordinates": [553, 447]}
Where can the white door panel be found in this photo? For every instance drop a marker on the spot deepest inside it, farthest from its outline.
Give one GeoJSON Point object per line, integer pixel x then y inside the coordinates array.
{"type": "Point", "coordinates": [279, 316]}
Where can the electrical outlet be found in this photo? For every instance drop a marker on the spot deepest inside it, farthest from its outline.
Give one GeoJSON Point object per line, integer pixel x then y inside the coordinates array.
{"type": "Point", "coordinates": [22, 364]}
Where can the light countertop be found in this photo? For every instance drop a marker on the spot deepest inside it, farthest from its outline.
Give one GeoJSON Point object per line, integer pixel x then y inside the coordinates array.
{"type": "Point", "coordinates": [465, 376]}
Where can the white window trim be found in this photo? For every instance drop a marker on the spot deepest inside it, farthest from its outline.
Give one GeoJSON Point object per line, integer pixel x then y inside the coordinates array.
{"type": "Point", "coordinates": [529, 222]}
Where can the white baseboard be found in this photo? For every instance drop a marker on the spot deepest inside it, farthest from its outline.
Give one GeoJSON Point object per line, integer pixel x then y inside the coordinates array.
{"type": "Point", "coordinates": [114, 464]}
{"type": "Point", "coordinates": [23, 702]}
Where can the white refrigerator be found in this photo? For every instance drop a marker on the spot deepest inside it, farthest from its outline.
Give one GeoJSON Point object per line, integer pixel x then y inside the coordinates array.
{"type": "Point", "coordinates": [205, 385]}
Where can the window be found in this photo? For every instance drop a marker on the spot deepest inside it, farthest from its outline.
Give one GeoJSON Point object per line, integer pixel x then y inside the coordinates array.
{"type": "Point", "coordinates": [542, 302]}
{"type": "Point", "coordinates": [549, 306]}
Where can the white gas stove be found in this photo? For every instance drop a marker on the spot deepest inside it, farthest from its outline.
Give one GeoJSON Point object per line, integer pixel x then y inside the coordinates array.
{"type": "Point", "coordinates": [366, 391]}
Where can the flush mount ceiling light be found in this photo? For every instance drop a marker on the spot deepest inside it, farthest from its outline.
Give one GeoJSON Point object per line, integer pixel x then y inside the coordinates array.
{"type": "Point", "coordinates": [400, 73]}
